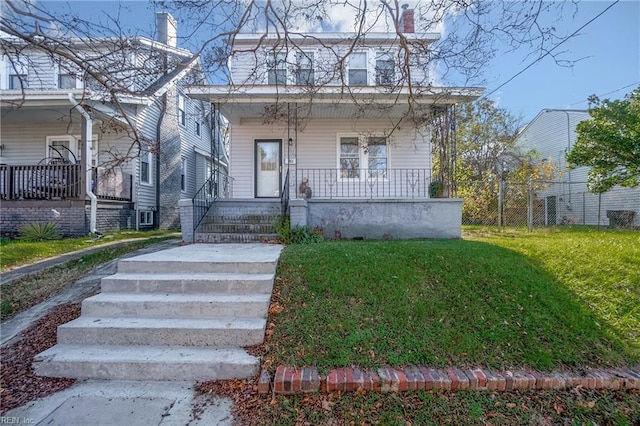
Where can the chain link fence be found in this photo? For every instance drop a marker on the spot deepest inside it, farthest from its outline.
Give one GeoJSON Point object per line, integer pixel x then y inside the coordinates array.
{"type": "Point", "coordinates": [547, 203]}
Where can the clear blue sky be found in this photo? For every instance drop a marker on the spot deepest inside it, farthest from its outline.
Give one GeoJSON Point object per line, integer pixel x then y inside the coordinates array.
{"type": "Point", "coordinates": [608, 49]}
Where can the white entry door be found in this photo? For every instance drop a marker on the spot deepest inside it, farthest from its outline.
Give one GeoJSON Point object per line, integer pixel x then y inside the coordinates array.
{"type": "Point", "coordinates": [268, 156]}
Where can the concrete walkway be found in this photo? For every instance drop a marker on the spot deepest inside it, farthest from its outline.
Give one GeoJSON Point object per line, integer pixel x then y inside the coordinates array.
{"type": "Point", "coordinates": [102, 403]}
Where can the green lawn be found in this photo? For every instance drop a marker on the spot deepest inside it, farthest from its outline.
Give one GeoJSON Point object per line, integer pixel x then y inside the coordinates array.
{"type": "Point", "coordinates": [33, 288]}
{"type": "Point", "coordinates": [542, 300]}
{"type": "Point", "coordinates": [16, 252]}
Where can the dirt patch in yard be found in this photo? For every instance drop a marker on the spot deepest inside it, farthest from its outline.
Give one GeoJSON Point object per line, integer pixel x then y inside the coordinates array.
{"type": "Point", "coordinates": [18, 382]}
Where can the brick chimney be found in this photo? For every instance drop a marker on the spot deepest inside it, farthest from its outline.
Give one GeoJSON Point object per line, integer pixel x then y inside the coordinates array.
{"type": "Point", "coordinates": [406, 20]}
{"type": "Point", "coordinates": [166, 29]}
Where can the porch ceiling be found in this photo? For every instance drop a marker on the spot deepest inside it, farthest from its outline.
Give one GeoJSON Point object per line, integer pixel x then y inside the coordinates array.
{"type": "Point", "coordinates": [237, 103]}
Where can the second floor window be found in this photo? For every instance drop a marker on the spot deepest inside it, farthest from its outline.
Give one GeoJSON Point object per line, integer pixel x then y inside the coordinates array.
{"type": "Point", "coordinates": [182, 115]}
{"type": "Point", "coordinates": [385, 69]}
{"type": "Point", "coordinates": [276, 68]}
{"type": "Point", "coordinates": [304, 71]}
{"type": "Point", "coordinates": [66, 81]}
{"type": "Point", "coordinates": [197, 128]}
{"type": "Point", "coordinates": [358, 69]}
{"type": "Point", "coordinates": [17, 81]}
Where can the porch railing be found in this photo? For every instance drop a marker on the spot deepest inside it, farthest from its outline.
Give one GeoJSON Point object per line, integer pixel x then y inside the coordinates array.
{"type": "Point", "coordinates": [40, 182]}
{"type": "Point", "coordinates": [60, 182]}
{"type": "Point", "coordinates": [366, 183]}
{"type": "Point", "coordinates": [284, 197]}
{"type": "Point", "coordinates": [112, 184]}
{"type": "Point", "coordinates": [219, 185]}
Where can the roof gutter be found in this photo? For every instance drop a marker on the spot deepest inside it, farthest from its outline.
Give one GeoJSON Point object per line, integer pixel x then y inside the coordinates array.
{"type": "Point", "coordinates": [87, 155]}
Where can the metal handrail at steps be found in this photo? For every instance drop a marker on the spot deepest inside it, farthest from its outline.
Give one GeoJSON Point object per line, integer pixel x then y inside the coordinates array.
{"type": "Point", "coordinates": [219, 185]}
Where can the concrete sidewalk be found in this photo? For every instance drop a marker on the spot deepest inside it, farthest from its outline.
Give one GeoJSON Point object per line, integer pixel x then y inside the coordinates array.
{"type": "Point", "coordinates": [101, 403]}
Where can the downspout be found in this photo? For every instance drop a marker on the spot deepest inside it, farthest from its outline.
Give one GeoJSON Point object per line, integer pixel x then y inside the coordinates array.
{"type": "Point", "coordinates": [163, 110]}
{"type": "Point", "coordinates": [87, 155]}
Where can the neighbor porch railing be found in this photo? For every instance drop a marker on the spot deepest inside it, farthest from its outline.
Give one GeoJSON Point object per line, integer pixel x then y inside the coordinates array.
{"type": "Point", "coordinates": [112, 184]}
{"type": "Point", "coordinates": [62, 182]}
{"type": "Point", "coordinates": [219, 185]}
{"type": "Point", "coordinates": [40, 182]}
{"type": "Point", "coordinates": [366, 183]}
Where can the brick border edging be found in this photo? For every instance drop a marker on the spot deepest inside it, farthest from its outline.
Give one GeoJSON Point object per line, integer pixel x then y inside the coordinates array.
{"type": "Point", "coordinates": [297, 380]}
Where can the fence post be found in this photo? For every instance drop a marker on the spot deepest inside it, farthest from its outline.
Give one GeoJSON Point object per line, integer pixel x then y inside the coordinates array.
{"type": "Point", "coordinates": [500, 196]}
{"type": "Point", "coordinates": [530, 207]}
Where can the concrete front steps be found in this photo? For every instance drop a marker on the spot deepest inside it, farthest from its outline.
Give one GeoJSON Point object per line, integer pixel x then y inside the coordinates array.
{"type": "Point", "coordinates": [240, 221]}
{"type": "Point", "coordinates": [179, 314]}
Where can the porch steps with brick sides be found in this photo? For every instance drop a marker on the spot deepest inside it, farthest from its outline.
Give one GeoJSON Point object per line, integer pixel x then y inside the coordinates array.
{"type": "Point", "coordinates": [240, 221]}
{"type": "Point", "coordinates": [180, 314]}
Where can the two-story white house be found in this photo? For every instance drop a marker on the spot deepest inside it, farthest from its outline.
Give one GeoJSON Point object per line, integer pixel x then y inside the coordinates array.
{"type": "Point", "coordinates": [340, 125]}
{"type": "Point", "coordinates": [75, 154]}
{"type": "Point", "coordinates": [567, 200]}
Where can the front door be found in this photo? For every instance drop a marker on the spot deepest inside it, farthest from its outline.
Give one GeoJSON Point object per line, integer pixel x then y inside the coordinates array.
{"type": "Point", "coordinates": [268, 154]}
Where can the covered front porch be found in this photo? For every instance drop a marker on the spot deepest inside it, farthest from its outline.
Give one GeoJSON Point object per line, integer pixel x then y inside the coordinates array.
{"type": "Point", "coordinates": [356, 164]}
{"type": "Point", "coordinates": [47, 176]}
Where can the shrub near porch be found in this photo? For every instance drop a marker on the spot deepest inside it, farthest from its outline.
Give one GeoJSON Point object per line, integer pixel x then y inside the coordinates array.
{"type": "Point", "coordinates": [374, 303]}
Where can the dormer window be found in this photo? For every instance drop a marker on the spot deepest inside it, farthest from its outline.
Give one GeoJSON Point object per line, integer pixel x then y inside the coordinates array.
{"type": "Point", "coordinates": [276, 68]}
{"type": "Point", "coordinates": [358, 69]}
{"type": "Point", "coordinates": [304, 71]}
{"type": "Point", "coordinates": [385, 69]}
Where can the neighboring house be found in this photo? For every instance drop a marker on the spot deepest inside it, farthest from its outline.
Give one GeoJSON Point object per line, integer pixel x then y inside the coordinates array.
{"type": "Point", "coordinates": [45, 136]}
{"type": "Point", "coordinates": [331, 122]}
{"type": "Point", "coordinates": [552, 133]}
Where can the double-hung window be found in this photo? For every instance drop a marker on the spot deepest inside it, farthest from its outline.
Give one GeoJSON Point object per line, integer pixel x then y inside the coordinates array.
{"type": "Point", "coordinates": [17, 81]}
{"type": "Point", "coordinates": [276, 68]}
{"type": "Point", "coordinates": [376, 152]}
{"type": "Point", "coordinates": [182, 114]}
{"type": "Point", "coordinates": [349, 157]}
{"type": "Point", "coordinates": [145, 168]}
{"type": "Point", "coordinates": [358, 69]}
{"type": "Point", "coordinates": [385, 69]}
{"type": "Point", "coordinates": [304, 70]}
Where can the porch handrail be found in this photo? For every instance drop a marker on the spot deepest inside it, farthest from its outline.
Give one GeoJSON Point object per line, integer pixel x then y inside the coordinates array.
{"type": "Point", "coordinates": [371, 183]}
{"type": "Point", "coordinates": [219, 185]}
{"type": "Point", "coordinates": [284, 197]}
